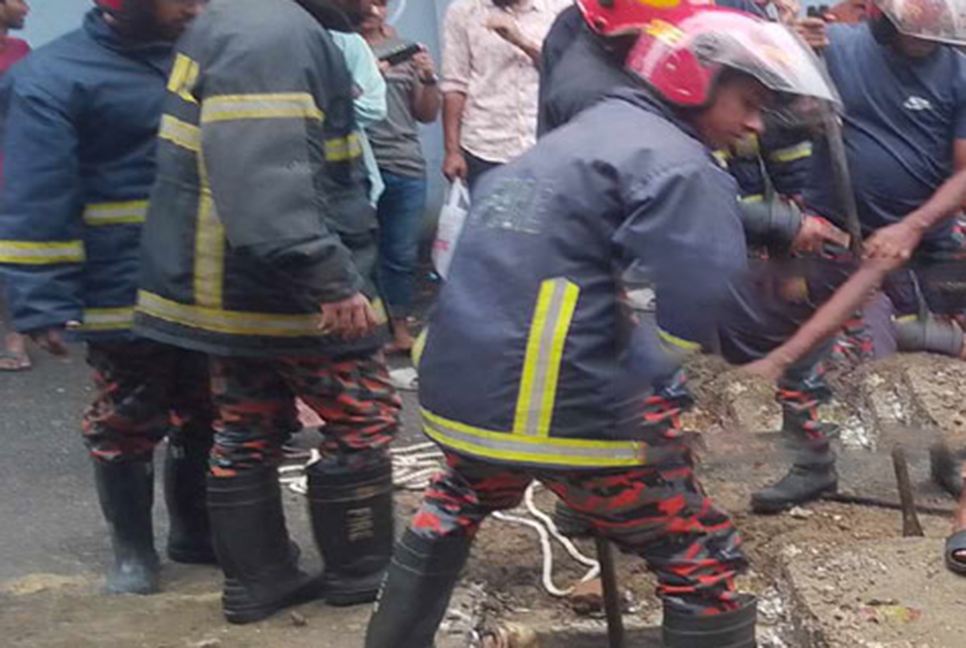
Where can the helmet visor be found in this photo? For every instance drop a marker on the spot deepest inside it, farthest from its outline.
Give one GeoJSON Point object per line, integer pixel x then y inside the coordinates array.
{"type": "Point", "coordinates": [936, 20]}
{"type": "Point", "coordinates": [766, 51]}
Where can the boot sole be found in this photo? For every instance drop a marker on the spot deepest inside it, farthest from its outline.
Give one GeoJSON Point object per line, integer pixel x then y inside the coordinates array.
{"type": "Point", "coordinates": [337, 594]}
{"type": "Point", "coordinates": [192, 556]}
{"type": "Point", "coordinates": [241, 615]}
{"type": "Point", "coordinates": [770, 508]}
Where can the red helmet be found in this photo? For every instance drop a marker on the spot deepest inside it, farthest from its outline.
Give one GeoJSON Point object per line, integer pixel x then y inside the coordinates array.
{"type": "Point", "coordinates": [682, 61]}
{"type": "Point", "coordinates": [114, 6]}
{"type": "Point", "coordinates": [943, 21]}
{"type": "Point", "coordinates": [613, 17]}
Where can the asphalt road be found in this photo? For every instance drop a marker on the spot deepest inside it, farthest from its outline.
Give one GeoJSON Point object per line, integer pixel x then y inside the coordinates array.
{"type": "Point", "coordinates": [50, 521]}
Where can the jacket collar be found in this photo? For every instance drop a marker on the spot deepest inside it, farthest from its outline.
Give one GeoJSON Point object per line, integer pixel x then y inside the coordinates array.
{"type": "Point", "coordinates": [644, 98]}
{"type": "Point", "coordinates": [156, 53]}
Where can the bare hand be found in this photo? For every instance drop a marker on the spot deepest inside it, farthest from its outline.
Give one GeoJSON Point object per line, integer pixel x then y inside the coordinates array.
{"type": "Point", "coordinates": [50, 340]}
{"type": "Point", "coordinates": [816, 232]}
{"type": "Point", "coordinates": [454, 166]}
{"type": "Point", "coordinates": [507, 28]}
{"type": "Point", "coordinates": [350, 318]}
{"type": "Point", "coordinates": [424, 65]}
{"type": "Point", "coordinates": [768, 368]}
{"type": "Point", "coordinates": [788, 11]}
{"type": "Point", "coordinates": [812, 31]}
{"type": "Point", "coordinates": [894, 244]}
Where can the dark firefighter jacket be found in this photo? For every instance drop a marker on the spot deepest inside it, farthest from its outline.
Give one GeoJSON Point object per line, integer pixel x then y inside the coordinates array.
{"type": "Point", "coordinates": [80, 160]}
{"type": "Point", "coordinates": [259, 213]}
{"type": "Point", "coordinates": [531, 357]}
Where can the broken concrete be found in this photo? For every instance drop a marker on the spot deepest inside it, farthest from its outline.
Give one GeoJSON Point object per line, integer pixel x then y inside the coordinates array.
{"type": "Point", "coordinates": [893, 593]}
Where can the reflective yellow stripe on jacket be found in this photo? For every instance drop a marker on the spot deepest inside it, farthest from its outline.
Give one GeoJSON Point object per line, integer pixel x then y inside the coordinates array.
{"type": "Point", "coordinates": [108, 319]}
{"type": "Point", "coordinates": [546, 451]}
{"type": "Point", "coordinates": [530, 441]}
{"type": "Point", "coordinates": [43, 253]}
{"type": "Point", "coordinates": [116, 213]}
{"type": "Point", "coordinates": [237, 322]}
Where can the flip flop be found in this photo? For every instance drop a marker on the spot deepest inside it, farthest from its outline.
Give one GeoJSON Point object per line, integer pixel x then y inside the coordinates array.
{"type": "Point", "coordinates": [19, 362]}
{"type": "Point", "coordinates": [956, 542]}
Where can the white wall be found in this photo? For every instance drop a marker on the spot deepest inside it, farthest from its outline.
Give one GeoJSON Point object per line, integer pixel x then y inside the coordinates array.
{"type": "Point", "coordinates": [49, 19]}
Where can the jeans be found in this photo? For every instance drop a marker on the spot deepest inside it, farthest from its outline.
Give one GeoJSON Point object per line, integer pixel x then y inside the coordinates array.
{"type": "Point", "coordinates": [400, 214]}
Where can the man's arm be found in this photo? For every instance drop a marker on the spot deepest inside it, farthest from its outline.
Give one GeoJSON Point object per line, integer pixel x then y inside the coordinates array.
{"type": "Point", "coordinates": [900, 241]}
{"type": "Point", "coordinates": [457, 70]}
{"type": "Point", "coordinates": [454, 165]}
{"type": "Point", "coordinates": [507, 27]}
{"type": "Point", "coordinates": [426, 96]}
{"type": "Point", "coordinates": [41, 232]}
{"type": "Point", "coordinates": [683, 235]}
{"type": "Point", "coordinates": [370, 103]}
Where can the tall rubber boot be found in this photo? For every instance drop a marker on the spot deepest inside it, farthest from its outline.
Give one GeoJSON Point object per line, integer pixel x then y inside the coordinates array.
{"type": "Point", "coordinates": [735, 629]}
{"type": "Point", "coordinates": [418, 587]}
{"type": "Point", "coordinates": [126, 492]}
{"type": "Point", "coordinates": [946, 468]}
{"type": "Point", "coordinates": [813, 461]}
{"type": "Point", "coordinates": [351, 508]}
{"type": "Point", "coordinates": [185, 493]}
{"type": "Point", "coordinates": [812, 474]}
{"type": "Point", "coordinates": [253, 547]}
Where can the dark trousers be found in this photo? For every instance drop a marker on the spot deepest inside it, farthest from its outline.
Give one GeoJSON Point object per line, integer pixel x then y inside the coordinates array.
{"type": "Point", "coordinates": [144, 390]}
{"type": "Point", "coordinates": [255, 400]}
{"type": "Point", "coordinates": [477, 168]}
{"type": "Point", "coordinates": [660, 513]}
{"type": "Point", "coordinates": [401, 210]}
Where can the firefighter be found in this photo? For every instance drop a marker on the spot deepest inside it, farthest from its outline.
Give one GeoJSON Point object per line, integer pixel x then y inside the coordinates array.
{"type": "Point", "coordinates": [904, 91]}
{"type": "Point", "coordinates": [79, 163]}
{"type": "Point", "coordinates": [258, 250]}
{"type": "Point", "coordinates": [556, 387]}
{"type": "Point", "coordinates": [771, 171]}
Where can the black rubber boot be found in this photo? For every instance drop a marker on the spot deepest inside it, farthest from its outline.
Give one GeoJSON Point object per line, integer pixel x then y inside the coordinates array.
{"type": "Point", "coordinates": [351, 507]}
{"type": "Point", "coordinates": [185, 493]}
{"type": "Point", "coordinates": [812, 473]}
{"type": "Point", "coordinates": [126, 492]}
{"type": "Point", "coordinates": [253, 547]}
{"type": "Point", "coordinates": [735, 629]}
{"type": "Point", "coordinates": [418, 587]}
{"type": "Point", "coordinates": [946, 468]}
{"type": "Point", "coordinates": [570, 523]}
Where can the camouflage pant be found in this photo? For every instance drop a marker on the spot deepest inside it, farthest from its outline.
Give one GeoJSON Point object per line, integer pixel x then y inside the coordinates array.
{"type": "Point", "coordinates": [144, 390]}
{"type": "Point", "coordinates": [660, 513]}
{"type": "Point", "coordinates": [255, 399]}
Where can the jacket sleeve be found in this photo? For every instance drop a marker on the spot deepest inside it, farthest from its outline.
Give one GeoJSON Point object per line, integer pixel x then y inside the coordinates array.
{"type": "Point", "coordinates": [787, 154]}
{"type": "Point", "coordinates": [264, 152]}
{"type": "Point", "coordinates": [41, 246]}
{"type": "Point", "coordinates": [370, 104]}
{"type": "Point", "coordinates": [684, 233]}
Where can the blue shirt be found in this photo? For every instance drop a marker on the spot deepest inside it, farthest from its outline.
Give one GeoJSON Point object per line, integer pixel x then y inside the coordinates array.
{"type": "Point", "coordinates": [902, 117]}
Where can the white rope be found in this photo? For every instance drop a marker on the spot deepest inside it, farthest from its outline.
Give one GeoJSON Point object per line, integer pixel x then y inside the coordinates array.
{"type": "Point", "coordinates": [414, 467]}
{"type": "Point", "coordinates": [545, 528]}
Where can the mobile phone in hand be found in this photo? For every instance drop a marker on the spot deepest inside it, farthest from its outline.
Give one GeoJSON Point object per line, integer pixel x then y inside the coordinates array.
{"type": "Point", "coordinates": [398, 56]}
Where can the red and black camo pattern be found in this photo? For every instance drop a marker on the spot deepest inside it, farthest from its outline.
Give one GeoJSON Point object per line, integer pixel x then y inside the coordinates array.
{"type": "Point", "coordinates": [800, 398]}
{"type": "Point", "coordinates": [255, 400]}
{"type": "Point", "coordinates": [660, 513]}
{"type": "Point", "coordinates": [143, 391]}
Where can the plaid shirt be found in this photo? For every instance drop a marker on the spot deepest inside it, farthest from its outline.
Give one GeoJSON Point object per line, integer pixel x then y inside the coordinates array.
{"type": "Point", "coordinates": [499, 80]}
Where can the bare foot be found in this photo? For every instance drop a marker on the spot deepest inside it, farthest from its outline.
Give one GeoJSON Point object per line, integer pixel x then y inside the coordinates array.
{"type": "Point", "coordinates": [403, 340]}
{"type": "Point", "coordinates": [14, 357]}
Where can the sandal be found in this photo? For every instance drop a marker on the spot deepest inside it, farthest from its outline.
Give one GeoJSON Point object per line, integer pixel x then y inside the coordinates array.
{"type": "Point", "coordinates": [10, 361]}
{"type": "Point", "coordinates": [954, 543]}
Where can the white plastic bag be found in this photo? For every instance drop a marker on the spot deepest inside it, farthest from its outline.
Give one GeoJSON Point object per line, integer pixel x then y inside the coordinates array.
{"type": "Point", "coordinates": [451, 219]}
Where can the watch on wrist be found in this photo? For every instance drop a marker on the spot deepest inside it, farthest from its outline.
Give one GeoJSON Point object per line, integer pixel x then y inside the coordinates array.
{"type": "Point", "coordinates": [431, 80]}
